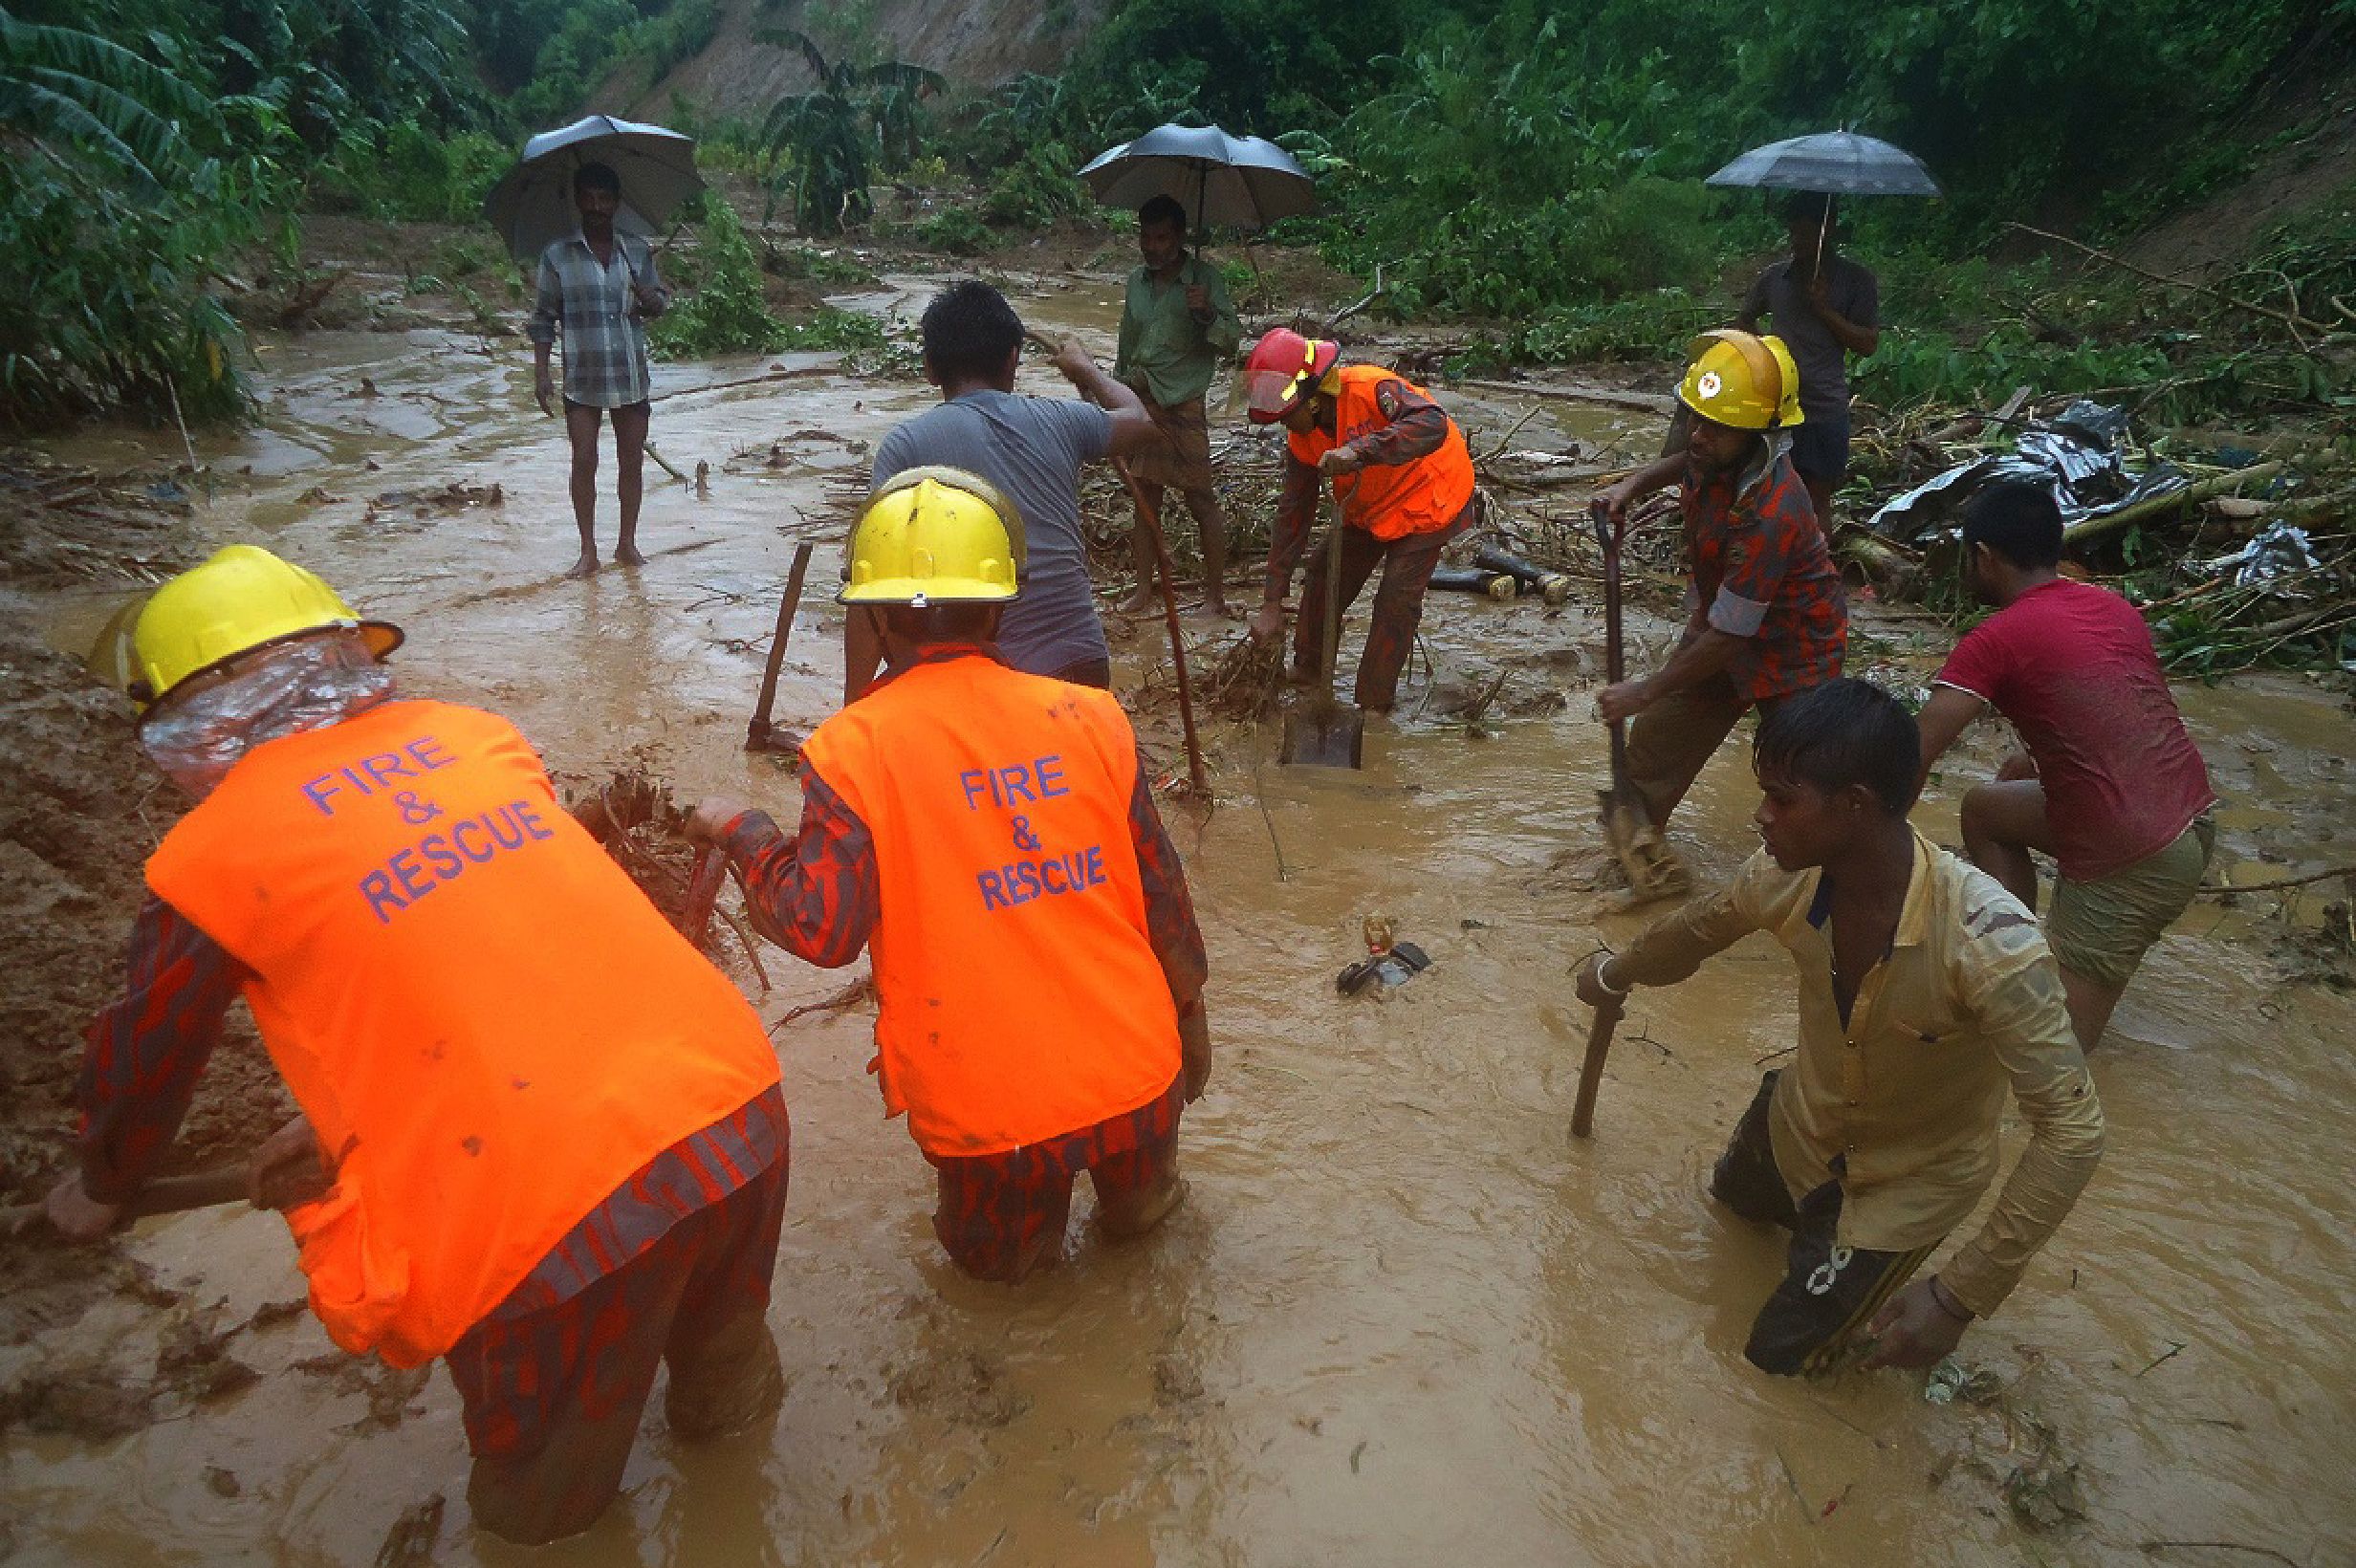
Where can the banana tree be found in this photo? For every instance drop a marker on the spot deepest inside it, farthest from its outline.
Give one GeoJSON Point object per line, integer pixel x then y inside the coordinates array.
{"type": "Point", "coordinates": [821, 138]}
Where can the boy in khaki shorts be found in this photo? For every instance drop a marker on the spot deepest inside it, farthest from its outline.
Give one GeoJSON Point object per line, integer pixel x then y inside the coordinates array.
{"type": "Point", "coordinates": [2113, 787]}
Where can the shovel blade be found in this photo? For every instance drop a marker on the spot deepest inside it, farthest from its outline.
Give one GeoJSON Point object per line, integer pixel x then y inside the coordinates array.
{"type": "Point", "coordinates": [1329, 736]}
{"type": "Point", "coordinates": [1653, 869]}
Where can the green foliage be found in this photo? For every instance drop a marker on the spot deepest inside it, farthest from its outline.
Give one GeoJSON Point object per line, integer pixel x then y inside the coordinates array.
{"type": "Point", "coordinates": [727, 312]}
{"type": "Point", "coordinates": [827, 269]}
{"type": "Point", "coordinates": [1036, 188]}
{"type": "Point", "coordinates": [956, 230]}
{"type": "Point", "coordinates": [1637, 327]}
{"type": "Point", "coordinates": [113, 205]}
{"type": "Point", "coordinates": [407, 171]}
{"type": "Point", "coordinates": [821, 140]}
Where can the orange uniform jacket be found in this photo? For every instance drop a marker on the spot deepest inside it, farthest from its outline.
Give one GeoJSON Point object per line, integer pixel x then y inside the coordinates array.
{"type": "Point", "coordinates": [486, 1023]}
{"type": "Point", "coordinates": [1020, 994]}
{"type": "Point", "coordinates": [1389, 501]}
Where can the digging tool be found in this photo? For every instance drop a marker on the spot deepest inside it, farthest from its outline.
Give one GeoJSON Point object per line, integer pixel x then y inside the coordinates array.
{"type": "Point", "coordinates": [178, 1194]}
{"type": "Point", "coordinates": [1149, 517]}
{"type": "Point", "coordinates": [1551, 586]}
{"type": "Point", "coordinates": [1652, 868]}
{"type": "Point", "coordinates": [1324, 732]}
{"type": "Point", "coordinates": [1591, 1070]}
{"type": "Point", "coordinates": [757, 736]}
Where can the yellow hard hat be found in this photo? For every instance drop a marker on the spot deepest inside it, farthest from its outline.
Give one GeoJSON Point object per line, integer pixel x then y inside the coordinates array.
{"type": "Point", "coordinates": [935, 536]}
{"type": "Point", "coordinates": [1743, 380]}
{"type": "Point", "coordinates": [241, 599]}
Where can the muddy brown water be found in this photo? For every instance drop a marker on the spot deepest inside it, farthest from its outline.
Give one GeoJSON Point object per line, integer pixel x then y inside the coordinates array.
{"type": "Point", "coordinates": [1403, 1319]}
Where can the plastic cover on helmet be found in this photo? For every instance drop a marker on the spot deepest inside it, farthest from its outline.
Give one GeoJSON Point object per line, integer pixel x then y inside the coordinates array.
{"type": "Point", "coordinates": [304, 682]}
{"type": "Point", "coordinates": [1283, 368]}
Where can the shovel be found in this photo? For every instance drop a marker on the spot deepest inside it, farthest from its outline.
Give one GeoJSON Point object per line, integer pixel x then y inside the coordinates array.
{"type": "Point", "coordinates": [1323, 732]}
{"type": "Point", "coordinates": [1652, 868]}
{"type": "Point", "coordinates": [757, 735]}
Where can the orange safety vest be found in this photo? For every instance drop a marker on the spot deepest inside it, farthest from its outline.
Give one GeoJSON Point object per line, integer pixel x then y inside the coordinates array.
{"type": "Point", "coordinates": [489, 1026]}
{"type": "Point", "coordinates": [1020, 994]}
{"type": "Point", "coordinates": [1389, 500]}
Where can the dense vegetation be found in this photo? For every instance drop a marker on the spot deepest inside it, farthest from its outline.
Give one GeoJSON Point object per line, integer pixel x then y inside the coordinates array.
{"type": "Point", "coordinates": [1502, 159]}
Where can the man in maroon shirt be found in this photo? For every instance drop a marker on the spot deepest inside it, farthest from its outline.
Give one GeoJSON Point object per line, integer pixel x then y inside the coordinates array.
{"type": "Point", "coordinates": [2112, 788]}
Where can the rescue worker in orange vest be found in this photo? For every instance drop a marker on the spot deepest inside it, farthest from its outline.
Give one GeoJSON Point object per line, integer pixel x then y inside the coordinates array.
{"type": "Point", "coordinates": [991, 837]}
{"type": "Point", "coordinates": [1403, 479]}
{"type": "Point", "coordinates": [546, 1137]}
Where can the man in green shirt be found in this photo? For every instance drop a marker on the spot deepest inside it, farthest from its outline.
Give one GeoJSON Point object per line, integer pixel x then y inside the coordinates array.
{"type": "Point", "coordinates": [1175, 323]}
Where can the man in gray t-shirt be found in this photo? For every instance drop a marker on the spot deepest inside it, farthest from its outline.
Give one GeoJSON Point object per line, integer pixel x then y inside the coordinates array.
{"type": "Point", "coordinates": [1031, 449]}
{"type": "Point", "coordinates": [1825, 308]}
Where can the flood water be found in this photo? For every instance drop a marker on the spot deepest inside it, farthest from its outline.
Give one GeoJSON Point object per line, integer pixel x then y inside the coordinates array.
{"type": "Point", "coordinates": [1403, 1319]}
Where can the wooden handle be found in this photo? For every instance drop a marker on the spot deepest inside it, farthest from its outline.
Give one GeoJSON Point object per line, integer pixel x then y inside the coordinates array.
{"type": "Point", "coordinates": [173, 1196]}
{"type": "Point", "coordinates": [1149, 518]}
{"type": "Point", "coordinates": [1591, 1070]}
{"type": "Point", "coordinates": [776, 642]}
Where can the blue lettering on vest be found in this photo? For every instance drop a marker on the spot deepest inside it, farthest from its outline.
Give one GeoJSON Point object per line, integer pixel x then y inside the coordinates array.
{"type": "Point", "coordinates": [409, 874]}
{"type": "Point", "coordinates": [1024, 882]}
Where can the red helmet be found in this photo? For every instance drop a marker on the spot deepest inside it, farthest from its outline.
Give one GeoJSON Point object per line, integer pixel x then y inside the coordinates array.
{"type": "Point", "coordinates": [1284, 368]}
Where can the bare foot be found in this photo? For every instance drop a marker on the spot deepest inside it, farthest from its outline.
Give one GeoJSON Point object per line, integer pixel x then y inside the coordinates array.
{"type": "Point", "coordinates": [628, 554]}
{"type": "Point", "coordinates": [1138, 602]}
{"type": "Point", "coordinates": [585, 566]}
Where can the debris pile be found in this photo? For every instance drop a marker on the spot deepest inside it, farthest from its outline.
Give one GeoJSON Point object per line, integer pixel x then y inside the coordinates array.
{"type": "Point", "coordinates": [634, 815]}
{"type": "Point", "coordinates": [2238, 559]}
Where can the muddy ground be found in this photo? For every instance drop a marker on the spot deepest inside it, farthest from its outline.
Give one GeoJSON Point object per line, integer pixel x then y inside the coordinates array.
{"type": "Point", "coordinates": [1402, 1317]}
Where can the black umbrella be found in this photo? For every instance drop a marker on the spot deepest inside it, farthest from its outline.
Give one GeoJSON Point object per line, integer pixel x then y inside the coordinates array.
{"type": "Point", "coordinates": [1833, 163]}
{"type": "Point", "coordinates": [532, 205]}
{"type": "Point", "coordinates": [1241, 182]}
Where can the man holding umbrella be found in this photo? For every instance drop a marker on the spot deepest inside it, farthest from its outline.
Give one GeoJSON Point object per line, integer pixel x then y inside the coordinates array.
{"type": "Point", "coordinates": [1176, 322]}
{"type": "Point", "coordinates": [1825, 308]}
{"type": "Point", "coordinates": [599, 288]}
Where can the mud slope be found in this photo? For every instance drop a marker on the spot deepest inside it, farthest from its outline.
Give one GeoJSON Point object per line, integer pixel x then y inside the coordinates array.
{"type": "Point", "coordinates": [976, 44]}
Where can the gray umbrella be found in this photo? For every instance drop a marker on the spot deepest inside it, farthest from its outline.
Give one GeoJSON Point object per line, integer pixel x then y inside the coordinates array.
{"type": "Point", "coordinates": [1241, 182]}
{"type": "Point", "coordinates": [532, 205]}
{"type": "Point", "coordinates": [1835, 163]}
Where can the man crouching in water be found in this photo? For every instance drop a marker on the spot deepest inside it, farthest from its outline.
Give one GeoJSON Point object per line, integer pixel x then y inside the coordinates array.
{"type": "Point", "coordinates": [1924, 991]}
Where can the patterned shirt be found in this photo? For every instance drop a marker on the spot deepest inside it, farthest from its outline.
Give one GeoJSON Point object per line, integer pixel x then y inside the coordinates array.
{"type": "Point", "coordinates": [1907, 1090]}
{"type": "Point", "coordinates": [604, 335]}
{"type": "Point", "coordinates": [1760, 565]}
{"type": "Point", "coordinates": [818, 894]}
{"type": "Point", "coordinates": [1167, 351]}
{"type": "Point", "coordinates": [1418, 428]}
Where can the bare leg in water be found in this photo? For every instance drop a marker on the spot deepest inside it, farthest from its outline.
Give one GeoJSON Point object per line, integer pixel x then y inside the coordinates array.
{"type": "Point", "coordinates": [2001, 823]}
{"type": "Point", "coordinates": [580, 426]}
{"type": "Point", "coordinates": [630, 484]}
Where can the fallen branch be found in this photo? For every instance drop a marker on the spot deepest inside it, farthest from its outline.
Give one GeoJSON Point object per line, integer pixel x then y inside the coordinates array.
{"type": "Point", "coordinates": [2297, 324]}
{"type": "Point", "coordinates": [1643, 402]}
{"type": "Point", "coordinates": [665, 464]}
{"type": "Point", "coordinates": [2155, 1548]}
{"type": "Point", "coordinates": [744, 380]}
{"type": "Point", "coordinates": [2218, 890]}
{"type": "Point", "coordinates": [2079, 535]}
{"type": "Point", "coordinates": [1355, 307]}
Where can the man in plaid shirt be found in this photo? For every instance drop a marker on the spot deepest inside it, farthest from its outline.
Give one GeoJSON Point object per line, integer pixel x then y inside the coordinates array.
{"type": "Point", "coordinates": [599, 288]}
{"type": "Point", "coordinates": [1767, 617]}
